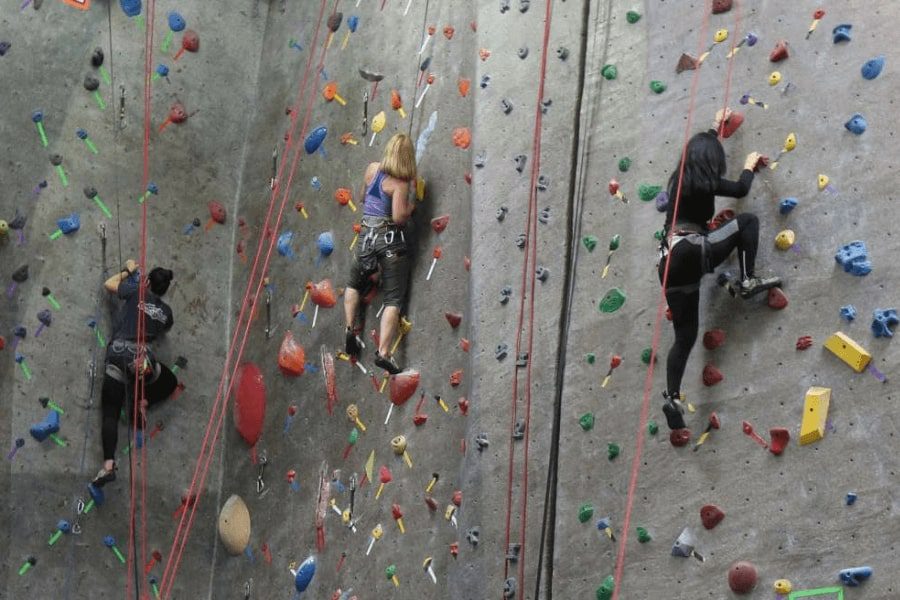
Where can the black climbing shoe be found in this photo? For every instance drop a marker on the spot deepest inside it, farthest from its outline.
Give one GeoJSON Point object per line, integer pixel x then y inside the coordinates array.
{"type": "Point", "coordinates": [353, 345]}
{"type": "Point", "coordinates": [754, 285]}
{"type": "Point", "coordinates": [674, 411]}
{"type": "Point", "coordinates": [104, 477]}
{"type": "Point", "coordinates": [387, 363]}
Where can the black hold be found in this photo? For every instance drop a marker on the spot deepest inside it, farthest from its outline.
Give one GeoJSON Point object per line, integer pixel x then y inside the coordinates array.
{"type": "Point", "coordinates": [97, 58]}
{"type": "Point", "coordinates": [520, 240]}
{"type": "Point", "coordinates": [196, 222]}
{"type": "Point", "coordinates": [181, 362]}
{"type": "Point", "coordinates": [480, 159]}
{"type": "Point", "coordinates": [501, 351]}
{"type": "Point", "coordinates": [90, 192]}
{"type": "Point", "coordinates": [544, 215]}
{"type": "Point", "coordinates": [545, 105]}
{"type": "Point", "coordinates": [501, 213]}
{"type": "Point", "coordinates": [562, 53]}
{"type": "Point", "coordinates": [504, 6]}
{"type": "Point", "coordinates": [543, 183]}
{"type": "Point", "coordinates": [473, 535]}
{"type": "Point", "coordinates": [506, 106]}
{"type": "Point", "coordinates": [334, 21]}
{"type": "Point", "coordinates": [56, 159]}
{"type": "Point", "coordinates": [18, 222]}
{"type": "Point", "coordinates": [522, 360]}
{"type": "Point", "coordinates": [519, 430]}
{"type": "Point", "coordinates": [505, 294]}
{"type": "Point", "coordinates": [524, 5]}
{"type": "Point", "coordinates": [512, 553]}
{"type": "Point", "coordinates": [481, 441]}
{"type": "Point", "coordinates": [370, 76]}
{"type": "Point", "coordinates": [522, 52]}
{"type": "Point", "coordinates": [91, 83]}
{"type": "Point", "coordinates": [509, 588]}
{"type": "Point", "coordinates": [485, 81]}
{"type": "Point", "coordinates": [20, 275]}
{"type": "Point", "coordinates": [4, 48]}
{"type": "Point", "coordinates": [520, 162]}
{"type": "Point", "coordinates": [542, 274]}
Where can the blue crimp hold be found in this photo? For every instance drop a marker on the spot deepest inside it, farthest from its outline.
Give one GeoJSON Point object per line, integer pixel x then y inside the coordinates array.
{"type": "Point", "coordinates": [854, 258]}
{"type": "Point", "coordinates": [662, 201]}
{"type": "Point", "coordinates": [848, 312]}
{"type": "Point", "coordinates": [872, 67]}
{"type": "Point", "coordinates": [882, 321]}
{"type": "Point", "coordinates": [353, 23]}
{"type": "Point", "coordinates": [284, 244]}
{"type": "Point", "coordinates": [855, 575]}
{"type": "Point", "coordinates": [787, 205]}
{"type": "Point", "coordinates": [69, 224]}
{"type": "Point", "coordinates": [857, 124]}
{"type": "Point", "coordinates": [41, 431]}
{"type": "Point", "coordinates": [841, 33]}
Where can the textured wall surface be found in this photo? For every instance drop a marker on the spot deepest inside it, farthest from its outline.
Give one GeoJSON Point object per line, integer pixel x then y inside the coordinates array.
{"type": "Point", "coordinates": [786, 513]}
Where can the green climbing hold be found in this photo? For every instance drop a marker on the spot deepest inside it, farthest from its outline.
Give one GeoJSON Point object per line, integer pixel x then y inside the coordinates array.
{"type": "Point", "coordinates": [633, 16]}
{"type": "Point", "coordinates": [643, 536]}
{"type": "Point", "coordinates": [606, 589]}
{"type": "Point", "coordinates": [610, 72]}
{"type": "Point", "coordinates": [586, 421]}
{"type": "Point", "coordinates": [658, 235]}
{"type": "Point", "coordinates": [612, 301]}
{"type": "Point", "coordinates": [645, 355]}
{"type": "Point", "coordinates": [624, 164]}
{"type": "Point", "coordinates": [612, 450]}
{"type": "Point", "coordinates": [652, 427]}
{"type": "Point", "coordinates": [658, 87]}
{"type": "Point", "coordinates": [648, 192]}
{"type": "Point", "coordinates": [614, 242]}
{"type": "Point", "coordinates": [590, 357]}
{"type": "Point", "coordinates": [590, 242]}
{"type": "Point", "coordinates": [585, 512]}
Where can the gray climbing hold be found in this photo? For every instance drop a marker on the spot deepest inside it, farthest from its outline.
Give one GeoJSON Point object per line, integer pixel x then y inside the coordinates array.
{"type": "Point", "coordinates": [501, 351]}
{"type": "Point", "coordinates": [480, 159]}
{"type": "Point", "coordinates": [520, 240]}
{"type": "Point", "coordinates": [501, 213]}
{"type": "Point", "coordinates": [473, 535]}
{"type": "Point", "coordinates": [481, 441]}
{"type": "Point", "coordinates": [509, 588]}
{"type": "Point", "coordinates": [504, 6]}
{"type": "Point", "coordinates": [506, 106]}
{"type": "Point", "coordinates": [562, 53]}
{"type": "Point", "coordinates": [543, 183]}
{"type": "Point", "coordinates": [520, 162]}
{"type": "Point", "coordinates": [523, 52]}
{"type": "Point", "coordinates": [544, 215]}
{"type": "Point", "coordinates": [524, 5]}
{"type": "Point", "coordinates": [485, 81]}
{"type": "Point", "coordinates": [522, 359]}
{"type": "Point", "coordinates": [519, 429]}
{"type": "Point", "coordinates": [542, 273]}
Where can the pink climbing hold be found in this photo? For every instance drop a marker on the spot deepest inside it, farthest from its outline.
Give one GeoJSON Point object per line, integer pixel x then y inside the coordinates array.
{"type": "Point", "coordinates": [403, 386]}
{"type": "Point", "coordinates": [777, 299]}
{"type": "Point", "coordinates": [742, 577]}
{"type": "Point", "coordinates": [711, 515]}
{"type": "Point", "coordinates": [711, 375]}
{"type": "Point", "coordinates": [713, 338]}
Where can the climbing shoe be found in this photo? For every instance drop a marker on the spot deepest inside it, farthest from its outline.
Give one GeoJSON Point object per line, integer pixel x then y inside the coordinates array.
{"type": "Point", "coordinates": [754, 285]}
{"type": "Point", "coordinates": [353, 345]}
{"type": "Point", "coordinates": [674, 411]}
{"type": "Point", "coordinates": [387, 363]}
{"type": "Point", "coordinates": [103, 477]}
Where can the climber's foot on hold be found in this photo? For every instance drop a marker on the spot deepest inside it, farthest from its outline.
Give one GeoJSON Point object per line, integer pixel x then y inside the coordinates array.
{"type": "Point", "coordinates": [754, 285]}
{"type": "Point", "coordinates": [104, 476]}
{"type": "Point", "coordinates": [353, 345]}
{"type": "Point", "coordinates": [387, 363]}
{"type": "Point", "coordinates": [674, 411]}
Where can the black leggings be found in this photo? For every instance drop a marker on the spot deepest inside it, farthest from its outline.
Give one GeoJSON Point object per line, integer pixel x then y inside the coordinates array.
{"type": "Point", "coordinates": [686, 268]}
{"type": "Point", "coordinates": [113, 399]}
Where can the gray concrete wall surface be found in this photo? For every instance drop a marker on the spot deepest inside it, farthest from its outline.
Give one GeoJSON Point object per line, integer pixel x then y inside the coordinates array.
{"type": "Point", "coordinates": [786, 514]}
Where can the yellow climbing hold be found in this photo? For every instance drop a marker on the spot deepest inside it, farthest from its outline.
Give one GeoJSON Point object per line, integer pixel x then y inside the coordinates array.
{"type": "Point", "coordinates": [720, 36]}
{"type": "Point", "coordinates": [785, 239]}
{"type": "Point", "coordinates": [783, 586]}
{"type": "Point", "coordinates": [848, 351]}
{"type": "Point", "coordinates": [823, 181]}
{"type": "Point", "coordinates": [791, 142]}
{"type": "Point", "coordinates": [815, 414]}
{"type": "Point", "coordinates": [774, 78]}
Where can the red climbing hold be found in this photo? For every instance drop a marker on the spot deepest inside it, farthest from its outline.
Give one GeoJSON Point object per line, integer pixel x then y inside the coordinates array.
{"type": "Point", "coordinates": [403, 386]}
{"type": "Point", "coordinates": [322, 293]}
{"type": "Point", "coordinates": [439, 224]}
{"type": "Point", "coordinates": [449, 31]}
{"type": "Point", "coordinates": [742, 577]}
{"type": "Point", "coordinates": [711, 515]}
{"type": "Point", "coordinates": [463, 406]}
{"type": "Point", "coordinates": [190, 41]}
{"type": "Point", "coordinates": [291, 356]}
{"type": "Point", "coordinates": [467, 263]}
{"type": "Point", "coordinates": [780, 52]}
{"type": "Point", "coordinates": [713, 338]}
{"type": "Point", "coordinates": [331, 397]}
{"type": "Point", "coordinates": [731, 124]}
{"type": "Point", "coordinates": [804, 342]}
{"type": "Point", "coordinates": [680, 437]}
{"type": "Point", "coordinates": [250, 403]}
{"type": "Point", "coordinates": [468, 178]}
{"type": "Point", "coordinates": [456, 499]}
{"type": "Point", "coordinates": [711, 375]}
{"type": "Point", "coordinates": [2, 342]}
{"type": "Point", "coordinates": [723, 215]}
{"type": "Point", "coordinates": [432, 503]}
{"type": "Point", "coordinates": [453, 318]}
{"type": "Point", "coordinates": [686, 62]}
{"type": "Point", "coordinates": [217, 212]}
{"type": "Point", "coordinates": [464, 344]}
{"type": "Point", "coordinates": [419, 419]}
{"type": "Point", "coordinates": [456, 377]}
{"type": "Point", "coordinates": [777, 299]}
{"type": "Point", "coordinates": [668, 314]}
{"type": "Point", "coordinates": [721, 6]}
{"type": "Point", "coordinates": [780, 438]}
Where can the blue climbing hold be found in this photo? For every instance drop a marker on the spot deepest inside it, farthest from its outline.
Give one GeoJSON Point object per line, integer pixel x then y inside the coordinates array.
{"type": "Point", "coordinates": [176, 21]}
{"type": "Point", "coordinates": [872, 67]}
{"type": "Point", "coordinates": [69, 224]}
{"type": "Point", "coordinates": [855, 575]}
{"type": "Point", "coordinates": [97, 494]}
{"type": "Point", "coordinates": [787, 205]}
{"type": "Point", "coordinates": [752, 39]}
{"type": "Point", "coordinates": [848, 312]}
{"type": "Point", "coordinates": [662, 201]}
{"type": "Point", "coordinates": [841, 33]}
{"type": "Point", "coordinates": [854, 258]}
{"type": "Point", "coordinates": [304, 574]}
{"type": "Point", "coordinates": [41, 431]}
{"type": "Point", "coordinates": [162, 70]}
{"type": "Point", "coordinates": [352, 23]}
{"type": "Point", "coordinates": [882, 321]}
{"type": "Point", "coordinates": [857, 124]}
{"type": "Point", "coordinates": [284, 244]}
{"type": "Point", "coordinates": [325, 243]}
{"type": "Point", "coordinates": [131, 8]}
{"type": "Point", "coordinates": [314, 139]}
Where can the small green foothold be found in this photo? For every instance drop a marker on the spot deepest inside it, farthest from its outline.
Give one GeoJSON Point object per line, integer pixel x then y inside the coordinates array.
{"type": "Point", "coordinates": [658, 235]}
{"type": "Point", "coordinates": [633, 16]}
{"type": "Point", "coordinates": [614, 242]}
{"type": "Point", "coordinates": [645, 355]}
{"type": "Point", "coordinates": [590, 242]}
{"type": "Point", "coordinates": [643, 536]}
{"type": "Point", "coordinates": [606, 589]}
{"type": "Point", "coordinates": [658, 87]}
{"type": "Point", "coordinates": [590, 357]}
{"type": "Point", "coordinates": [647, 192]}
{"type": "Point", "coordinates": [612, 450]}
{"type": "Point", "coordinates": [585, 512]}
{"type": "Point", "coordinates": [586, 421]}
{"type": "Point", "coordinates": [610, 72]}
{"type": "Point", "coordinates": [612, 301]}
{"type": "Point", "coordinates": [624, 164]}
{"type": "Point", "coordinates": [652, 427]}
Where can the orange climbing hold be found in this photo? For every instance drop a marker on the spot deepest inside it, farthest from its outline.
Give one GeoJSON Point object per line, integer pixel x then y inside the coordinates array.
{"type": "Point", "coordinates": [291, 356]}
{"type": "Point", "coordinates": [484, 53]}
{"type": "Point", "coordinates": [344, 197]}
{"type": "Point", "coordinates": [462, 138]}
{"type": "Point", "coordinates": [464, 86]}
{"type": "Point", "coordinates": [217, 214]}
{"type": "Point", "coordinates": [322, 293]}
{"type": "Point", "coordinates": [448, 32]}
{"type": "Point", "coordinates": [250, 403]}
{"type": "Point", "coordinates": [456, 377]}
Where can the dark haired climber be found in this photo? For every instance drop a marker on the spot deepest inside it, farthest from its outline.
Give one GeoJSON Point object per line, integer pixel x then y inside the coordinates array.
{"type": "Point", "coordinates": [122, 352]}
{"type": "Point", "coordinates": [697, 242]}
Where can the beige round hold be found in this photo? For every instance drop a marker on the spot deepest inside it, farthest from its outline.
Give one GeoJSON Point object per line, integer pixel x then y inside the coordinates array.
{"type": "Point", "coordinates": [234, 525]}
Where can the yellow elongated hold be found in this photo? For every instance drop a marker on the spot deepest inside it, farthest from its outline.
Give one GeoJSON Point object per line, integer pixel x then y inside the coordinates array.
{"type": "Point", "coordinates": [420, 188]}
{"type": "Point", "coordinates": [815, 415]}
{"type": "Point", "coordinates": [785, 239]}
{"type": "Point", "coordinates": [847, 350]}
{"type": "Point", "coordinates": [774, 78]}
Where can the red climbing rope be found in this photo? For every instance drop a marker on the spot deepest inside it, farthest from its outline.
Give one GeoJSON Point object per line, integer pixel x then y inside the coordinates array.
{"type": "Point", "coordinates": [660, 310]}
{"type": "Point", "coordinates": [529, 274]}
{"type": "Point", "coordinates": [220, 405]}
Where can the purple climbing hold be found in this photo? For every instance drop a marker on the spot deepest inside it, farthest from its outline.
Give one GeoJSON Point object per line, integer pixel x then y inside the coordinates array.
{"type": "Point", "coordinates": [4, 48]}
{"type": "Point", "coordinates": [662, 201]}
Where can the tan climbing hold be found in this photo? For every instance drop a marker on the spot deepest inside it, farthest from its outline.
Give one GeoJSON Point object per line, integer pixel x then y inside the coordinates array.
{"type": "Point", "coordinates": [234, 525]}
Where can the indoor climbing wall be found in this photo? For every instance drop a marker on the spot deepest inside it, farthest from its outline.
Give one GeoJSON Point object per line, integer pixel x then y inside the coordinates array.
{"type": "Point", "coordinates": [534, 457]}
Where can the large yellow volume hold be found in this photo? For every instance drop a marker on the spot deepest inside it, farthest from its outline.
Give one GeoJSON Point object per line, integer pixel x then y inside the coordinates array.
{"type": "Point", "coordinates": [815, 413]}
{"type": "Point", "coordinates": [848, 351]}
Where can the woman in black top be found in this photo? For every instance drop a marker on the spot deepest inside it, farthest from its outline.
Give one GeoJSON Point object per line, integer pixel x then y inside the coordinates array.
{"type": "Point", "coordinates": [693, 246]}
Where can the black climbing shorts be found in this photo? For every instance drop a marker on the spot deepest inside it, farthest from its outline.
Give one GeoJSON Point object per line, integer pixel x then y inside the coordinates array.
{"type": "Point", "coordinates": [384, 247]}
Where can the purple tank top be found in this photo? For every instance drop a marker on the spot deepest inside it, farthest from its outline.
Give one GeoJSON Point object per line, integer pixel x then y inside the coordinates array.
{"type": "Point", "coordinates": [377, 203]}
